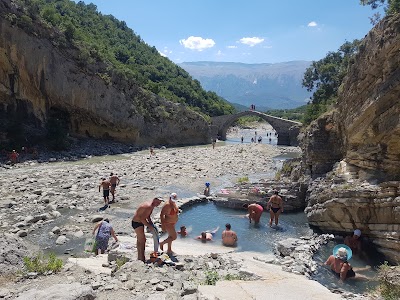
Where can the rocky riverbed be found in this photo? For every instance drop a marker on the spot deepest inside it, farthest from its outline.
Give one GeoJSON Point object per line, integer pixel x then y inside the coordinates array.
{"type": "Point", "coordinates": [54, 206]}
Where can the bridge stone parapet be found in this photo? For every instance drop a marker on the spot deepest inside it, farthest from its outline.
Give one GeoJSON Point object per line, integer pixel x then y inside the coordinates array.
{"type": "Point", "coordinates": [287, 130]}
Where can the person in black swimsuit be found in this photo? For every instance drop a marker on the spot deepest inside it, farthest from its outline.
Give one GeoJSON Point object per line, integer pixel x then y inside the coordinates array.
{"type": "Point", "coordinates": [275, 206]}
{"type": "Point", "coordinates": [142, 218]}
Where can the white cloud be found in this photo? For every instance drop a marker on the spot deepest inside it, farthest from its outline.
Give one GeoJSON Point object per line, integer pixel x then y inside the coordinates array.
{"type": "Point", "coordinates": [219, 53]}
{"type": "Point", "coordinates": [251, 41]}
{"type": "Point", "coordinates": [162, 54]}
{"type": "Point", "coordinates": [231, 47]}
{"type": "Point", "coordinates": [197, 43]}
{"type": "Point", "coordinates": [267, 47]}
{"type": "Point", "coordinates": [312, 24]}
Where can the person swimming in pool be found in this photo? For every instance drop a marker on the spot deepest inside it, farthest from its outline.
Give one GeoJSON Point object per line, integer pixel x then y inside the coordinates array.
{"type": "Point", "coordinates": [275, 207]}
{"type": "Point", "coordinates": [207, 235]}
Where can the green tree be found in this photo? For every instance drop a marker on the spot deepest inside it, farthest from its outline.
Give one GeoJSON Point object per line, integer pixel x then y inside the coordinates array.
{"type": "Point", "coordinates": [325, 76]}
{"type": "Point", "coordinates": [390, 7]}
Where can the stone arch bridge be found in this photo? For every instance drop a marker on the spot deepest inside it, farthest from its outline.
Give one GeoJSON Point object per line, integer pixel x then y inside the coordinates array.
{"type": "Point", "coordinates": [287, 130]}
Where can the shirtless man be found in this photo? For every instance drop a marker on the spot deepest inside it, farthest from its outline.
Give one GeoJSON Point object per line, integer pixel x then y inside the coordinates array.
{"type": "Point", "coordinates": [114, 180]}
{"type": "Point", "coordinates": [207, 235]}
{"type": "Point", "coordinates": [169, 217]}
{"type": "Point", "coordinates": [229, 237]}
{"type": "Point", "coordinates": [255, 211]}
{"type": "Point", "coordinates": [275, 207]}
{"type": "Point", "coordinates": [140, 219]}
{"type": "Point", "coordinates": [106, 189]}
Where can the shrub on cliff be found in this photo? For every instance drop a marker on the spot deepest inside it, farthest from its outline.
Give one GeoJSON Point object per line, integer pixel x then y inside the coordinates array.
{"type": "Point", "coordinates": [108, 46]}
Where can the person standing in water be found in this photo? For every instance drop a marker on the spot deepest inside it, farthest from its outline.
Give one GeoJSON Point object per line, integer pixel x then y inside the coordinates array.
{"type": "Point", "coordinates": [242, 139]}
{"type": "Point", "coordinates": [168, 218]}
{"type": "Point", "coordinates": [114, 180]}
{"type": "Point", "coordinates": [254, 212]}
{"type": "Point", "coordinates": [142, 218]}
{"type": "Point", "coordinates": [275, 207]}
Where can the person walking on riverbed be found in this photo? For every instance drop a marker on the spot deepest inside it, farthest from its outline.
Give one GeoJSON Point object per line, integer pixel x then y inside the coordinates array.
{"type": "Point", "coordinates": [275, 207]}
{"type": "Point", "coordinates": [114, 180]}
{"type": "Point", "coordinates": [105, 184]}
{"type": "Point", "coordinates": [142, 218]}
{"type": "Point", "coordinates": [168, 218]}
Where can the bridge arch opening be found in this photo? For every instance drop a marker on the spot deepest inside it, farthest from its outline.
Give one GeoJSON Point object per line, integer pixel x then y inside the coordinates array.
{"type": "Point", "coordinates": [287, 131]}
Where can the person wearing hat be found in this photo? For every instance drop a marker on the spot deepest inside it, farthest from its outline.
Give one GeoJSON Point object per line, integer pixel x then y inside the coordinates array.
{"type": "Point", "coordinates": [141, 218]}
{"type": "Point", "coordinates": [207, 189]}
{"type": "Point", "coordinates": [338, 262]}
{"type": "Point", "coordinates": [354, 241]}
{"type": "Point", "coordinates": [168, 218]}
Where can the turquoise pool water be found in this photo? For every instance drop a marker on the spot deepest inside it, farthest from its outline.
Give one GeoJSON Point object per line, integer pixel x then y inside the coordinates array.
{"type": "Point", "coordinates": [262, 238]}
{"type": "Point", "coordinates": [251, 237]}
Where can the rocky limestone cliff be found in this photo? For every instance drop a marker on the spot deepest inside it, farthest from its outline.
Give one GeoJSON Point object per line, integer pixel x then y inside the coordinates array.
{"type": "Point", "coordinates": [360, 142]}
{"type": "Point", "coordinates": [38, 79]}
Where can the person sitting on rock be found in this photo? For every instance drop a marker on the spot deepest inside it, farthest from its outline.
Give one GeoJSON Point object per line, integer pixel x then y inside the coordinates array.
{"type": "Point", "coordinates": [207, 189]}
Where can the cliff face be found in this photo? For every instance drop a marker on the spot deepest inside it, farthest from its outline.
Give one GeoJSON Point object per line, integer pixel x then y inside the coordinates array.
{"type": "Point", "coordinates": [369, 103]}
{"type": "Point", "coordinates": [356, 148]}
{"type": "Point", "coordinates": [37, 79]}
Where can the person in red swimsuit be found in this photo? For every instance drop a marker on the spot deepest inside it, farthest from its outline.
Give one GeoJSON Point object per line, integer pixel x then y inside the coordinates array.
{"type": "Point", "coordinates": [168, 218]}
{"type": "Point", "coordinates": [255, 211]}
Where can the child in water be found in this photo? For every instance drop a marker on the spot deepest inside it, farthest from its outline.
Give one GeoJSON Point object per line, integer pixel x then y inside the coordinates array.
{"type": "Point", "coordinates": [183, 231]}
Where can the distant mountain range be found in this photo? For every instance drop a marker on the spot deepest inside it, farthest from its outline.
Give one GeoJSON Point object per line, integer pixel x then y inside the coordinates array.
{"type": "Point", "coordinates": [268, 86]}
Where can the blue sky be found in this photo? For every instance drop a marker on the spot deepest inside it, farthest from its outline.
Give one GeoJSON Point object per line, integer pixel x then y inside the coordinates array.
{"type": "Point", "coordinates": [252, 31]}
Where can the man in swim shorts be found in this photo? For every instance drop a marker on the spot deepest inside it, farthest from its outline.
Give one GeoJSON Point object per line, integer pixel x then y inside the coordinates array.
{"type": "Point", "coordinates": [168, 218]}
{"type": "Point", "coordinates": [275, 207]}
{"type": "Point", "coordinates": [106, 189]}
{"type": "Point", "coordinates": [114, 180]}
{"type": "Point", "coordinates": [142, 218]}
{"type": "Point", "coordinates": [254, 212]}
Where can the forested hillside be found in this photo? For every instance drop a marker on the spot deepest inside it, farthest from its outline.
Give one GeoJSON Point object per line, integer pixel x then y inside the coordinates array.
{"type": "Point", "coordinates": [106, 46]}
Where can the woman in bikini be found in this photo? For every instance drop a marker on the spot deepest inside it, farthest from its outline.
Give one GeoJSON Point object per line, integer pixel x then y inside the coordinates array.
{"type": "Point", "coordinates": [169, 217]}
{"type": "Point", "coordinates": [275, 206]}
